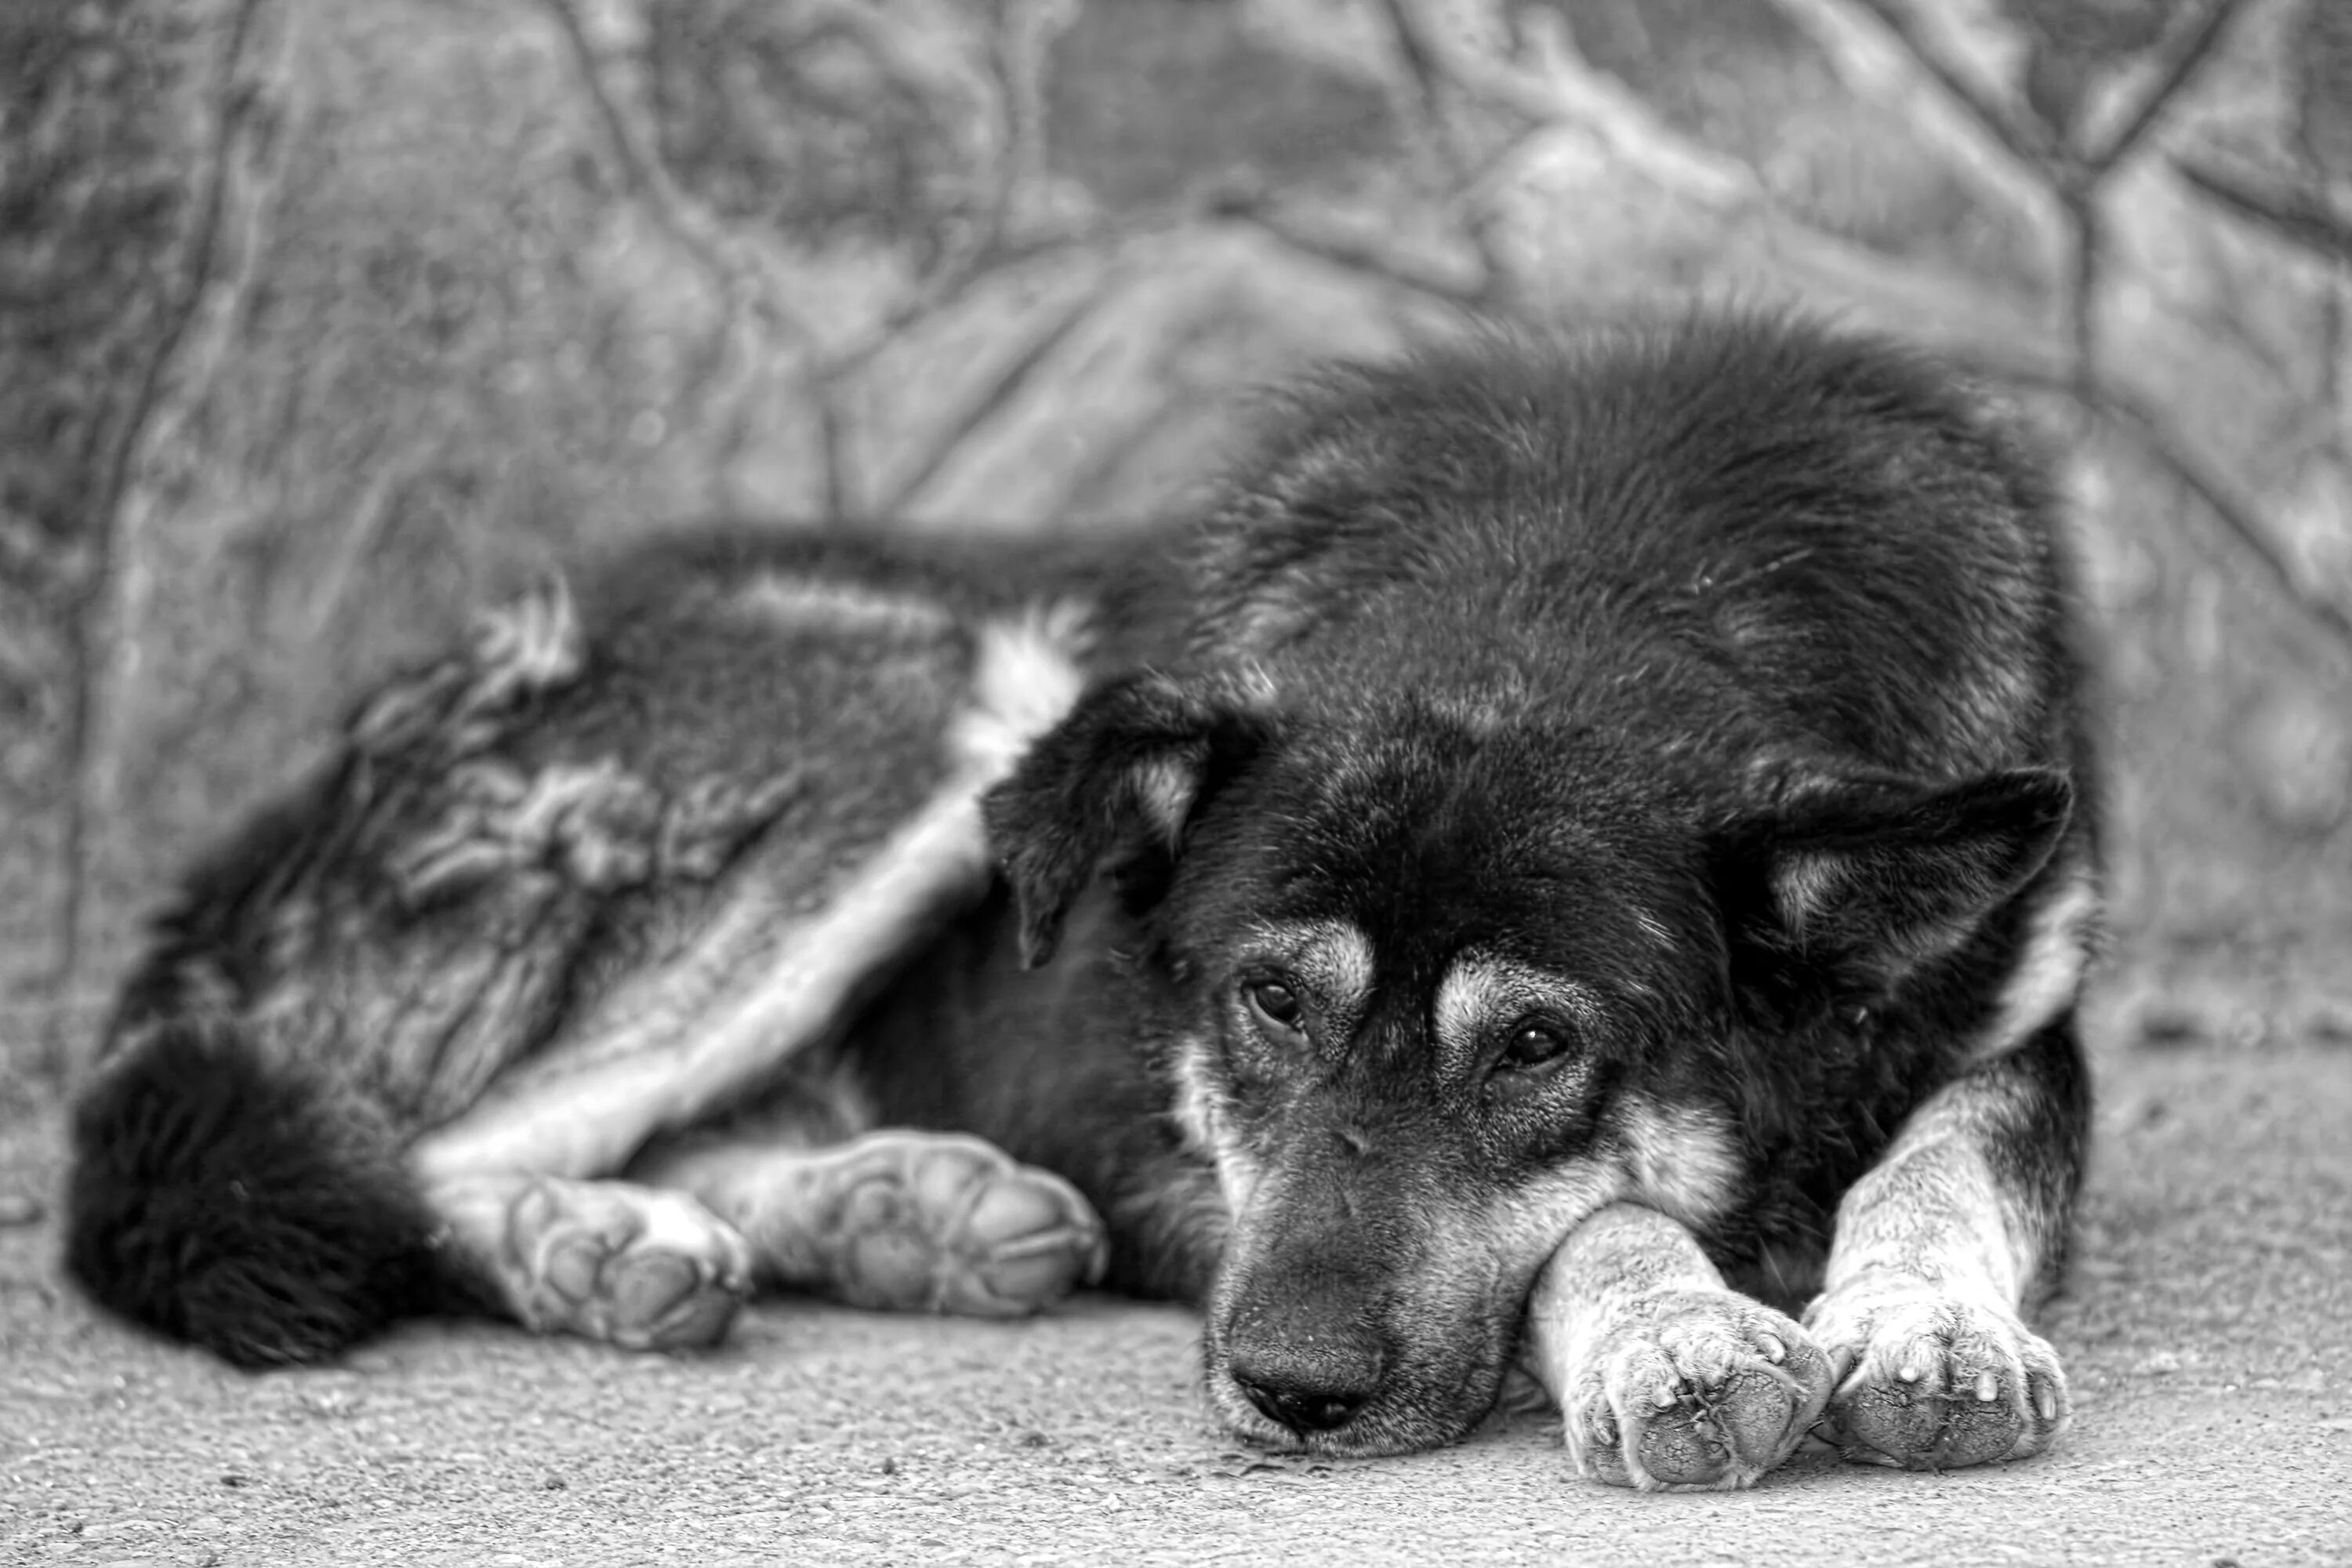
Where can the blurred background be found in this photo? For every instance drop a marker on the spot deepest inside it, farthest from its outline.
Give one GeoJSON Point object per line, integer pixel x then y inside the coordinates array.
{"type": "Point", "coordinates": [324, 321]}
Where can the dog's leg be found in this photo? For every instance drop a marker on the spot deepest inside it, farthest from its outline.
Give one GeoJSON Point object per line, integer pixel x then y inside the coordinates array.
{"type": "Point", "coordinates": [1665, 1378]}
{"type": "Point", "coordinates": [687, 1041]}
{"type": "Point", "coordinates": [896, 1219]}
{"type": "Point", "coordinates": [778, 967]}
{"type": "Point", "coordinates": [1938, 1251]}
{"type": "Point", "coordinates": [512, 1180]}
{"type": "Point", "coordinates": [509, 1181]}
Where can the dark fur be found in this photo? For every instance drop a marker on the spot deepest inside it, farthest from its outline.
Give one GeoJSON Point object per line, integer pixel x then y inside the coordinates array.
{"type": "Point", "coordinates": [259, 1214]}
{"type": "Point", "coordinates": [1719, 598]}
{"type": "Point", "coordinates": [1723, 669]}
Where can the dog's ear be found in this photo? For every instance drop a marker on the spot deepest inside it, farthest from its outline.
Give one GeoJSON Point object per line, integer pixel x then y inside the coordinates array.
{"type": "Point", "coordinates": [1867, 880]}
{"type": "Point", "coordinates": [1117, 780]}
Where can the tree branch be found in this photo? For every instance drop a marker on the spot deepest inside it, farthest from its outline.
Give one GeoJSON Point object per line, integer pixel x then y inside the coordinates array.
{"type": "Point", "coordinates": [1368, 260]}
{"type": "Point", "coordinates": [1001, 390]}
{"type": "Point", "coordinates": [2295, 213]}
{"type": "Point", "coordinates": [2025, 143]}
{"type": "Point", "coordinates": [1882, 63]}
{"type": "Point", "coordinates": [170, 381]}
{"type": "Point", "coordinates": [2237, 517]}
{"type": "Point", "coordinates": [2194, 46]}
{"type": "Point", "coordinates": [2155, 435]}
{"type": "Point", "coordinates": [741, 276]}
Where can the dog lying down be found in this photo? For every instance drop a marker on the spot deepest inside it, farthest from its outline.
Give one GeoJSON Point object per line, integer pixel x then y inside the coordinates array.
{"type": "Point", "coordinates": [1581, 852]}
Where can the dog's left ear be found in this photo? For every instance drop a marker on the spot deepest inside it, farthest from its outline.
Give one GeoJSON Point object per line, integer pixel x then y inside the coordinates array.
{"type": "Point", "coordinates": [1870, 879]}
{"type": "Point", "coordinates": [1119, 779]}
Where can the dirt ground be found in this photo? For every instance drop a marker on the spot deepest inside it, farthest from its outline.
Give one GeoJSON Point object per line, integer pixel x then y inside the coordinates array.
{"type": "Point", "coordinates": [2208, 1332]}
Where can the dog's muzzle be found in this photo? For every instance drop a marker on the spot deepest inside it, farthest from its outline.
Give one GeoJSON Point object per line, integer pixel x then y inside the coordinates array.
{"type": "Point", "coordinates": [1316, 1392]}
{"type": "Point", "coordinates": [1308, 1360]}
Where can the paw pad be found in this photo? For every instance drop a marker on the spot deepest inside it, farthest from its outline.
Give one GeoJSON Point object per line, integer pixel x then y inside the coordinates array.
{"type": "Point", "coordinates": [934, 1222]}
{"type": "Point", "coordinates": [1693, 1389]}
{"type": "Point", "coordinates": [633, 1266]}
{"type": "Point", "coordinates": [1932, 1381]}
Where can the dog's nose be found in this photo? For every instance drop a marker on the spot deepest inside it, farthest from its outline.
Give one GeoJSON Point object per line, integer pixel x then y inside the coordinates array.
{"type": "Point", "coordinates": [1302, 1338]}
{"type": "Point", "coordinates": [1302, 1409]}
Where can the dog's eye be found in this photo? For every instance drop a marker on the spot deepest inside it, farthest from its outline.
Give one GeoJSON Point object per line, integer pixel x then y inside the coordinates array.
{"type": "Point", "coordinates": [1531, 1046]}
{"type": "Point", "coordinates": [1276, 1004]}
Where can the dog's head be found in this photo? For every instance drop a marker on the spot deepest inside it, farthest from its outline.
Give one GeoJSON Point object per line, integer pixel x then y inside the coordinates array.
{"type": "Point", "coordinates": [1446, 982]}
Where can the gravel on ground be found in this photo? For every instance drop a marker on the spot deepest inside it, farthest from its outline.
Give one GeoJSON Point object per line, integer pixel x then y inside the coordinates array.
{"type": "Point", "coordinates": [2207, 1331]}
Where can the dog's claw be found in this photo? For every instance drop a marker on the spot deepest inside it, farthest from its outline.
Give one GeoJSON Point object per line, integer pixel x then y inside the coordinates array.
{"type": "Point", "coordinates": [1693, 1389]}
{"type": "Point", "coordinates": [1936, 1380]}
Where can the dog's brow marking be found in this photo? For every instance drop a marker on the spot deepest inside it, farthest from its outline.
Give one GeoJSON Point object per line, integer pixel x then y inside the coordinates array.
{"type": "Point", "coordinates": [688, 1038]}
{"type": "Point", "coordinates": [1806, 885]}
{"type": "Point", "coordinates": [791, 600]}
{"type": "Point", "coordinates": [1164, 787]}
{"type": "Point", "coordinates": [1679, 1159]}
{"type": "Point", "coordinates": [2049, 973]}
{"type": "Point", "coordinates": [1468, 998]}
{"type": "Point", "coordinates": [1338, 958]}
{"type": "Point", "coordinates": [1481, 993]}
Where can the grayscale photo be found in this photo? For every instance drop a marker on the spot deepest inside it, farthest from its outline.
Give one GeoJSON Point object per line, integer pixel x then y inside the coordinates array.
{"type": "Point", "coordinates": [1175, 782]}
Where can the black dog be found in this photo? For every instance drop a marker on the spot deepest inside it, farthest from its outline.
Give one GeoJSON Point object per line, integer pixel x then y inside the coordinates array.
{"type": "Point", "coordinates": [1580, 815]}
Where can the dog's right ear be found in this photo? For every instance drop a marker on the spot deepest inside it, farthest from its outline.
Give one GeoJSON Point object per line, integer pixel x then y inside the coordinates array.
{"type": "Point", "coordinates": [1120, 777]}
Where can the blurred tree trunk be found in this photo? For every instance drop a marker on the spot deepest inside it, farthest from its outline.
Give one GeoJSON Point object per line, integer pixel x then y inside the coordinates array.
{"type": "Point", "coordinates": [133, 138]}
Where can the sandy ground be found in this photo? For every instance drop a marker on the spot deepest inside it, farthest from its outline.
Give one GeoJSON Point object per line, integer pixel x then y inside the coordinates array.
{"type": "Point", "coordinates": [2209, 1335]}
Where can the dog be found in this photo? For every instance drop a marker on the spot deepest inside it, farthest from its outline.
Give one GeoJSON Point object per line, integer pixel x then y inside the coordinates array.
{"type": "Point", "coordinates": [1582, 857]}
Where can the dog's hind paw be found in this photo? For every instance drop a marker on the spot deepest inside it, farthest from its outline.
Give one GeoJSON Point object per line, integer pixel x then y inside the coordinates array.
{"type": "Point", "coordinates": [936, 1222]}
{"type": "Point", "coordinates": [1692, 1389]}
{"type": "Point", "coordinates": [1930, 1381]}
{"type": "Point", "coordinates": [638, 1267]}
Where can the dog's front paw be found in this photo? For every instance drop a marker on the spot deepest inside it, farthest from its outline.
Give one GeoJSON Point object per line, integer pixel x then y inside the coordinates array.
{"type": "Point", "coordinates": [1691, 1388]}
{"type": "Point", "coordinates": [1930, 1380]}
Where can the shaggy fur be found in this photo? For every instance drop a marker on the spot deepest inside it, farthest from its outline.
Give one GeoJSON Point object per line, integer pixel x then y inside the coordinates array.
{"type": "Point", "coordinates": [1589, 820]}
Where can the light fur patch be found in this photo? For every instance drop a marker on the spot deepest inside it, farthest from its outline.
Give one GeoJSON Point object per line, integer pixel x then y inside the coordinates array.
{"type": "Point", "coordinates": [1932, 1208]}
{"type": "Point", "coordinates": [760, 983]}
{"type": "Point", "coordinates": [812, 604]}
{"type": "Point", "coordinates": [1805, 885]}
{"type": "Point", "coordinates": [1527, 1224]}
{"type": "Point", "coordinates": [2049, 973]}
{"type": "Point", "coordinates": [534, 642]}
{"type": "Point", "coordinates": [1677, 1159]}
{"type": "Point", "coordinates": [1482, 993]}
{"type": "Point", "coordinates": [1164, 788]}
{"type": "Point", "coordinates": [1026, 677]}
{"type": "Point", "coordinates": [1201, 1116]}
{"type": "Point", "coordinates": [684, 1040]}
